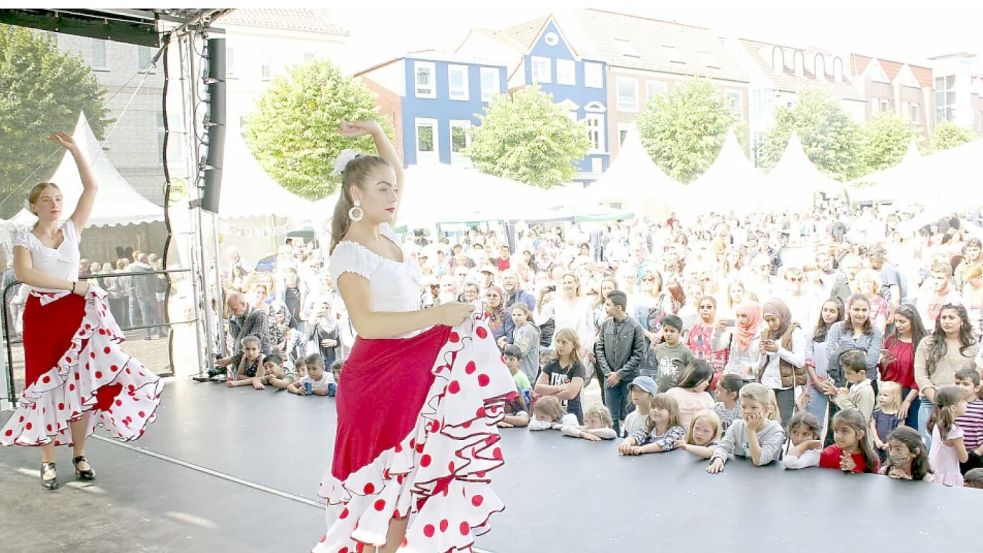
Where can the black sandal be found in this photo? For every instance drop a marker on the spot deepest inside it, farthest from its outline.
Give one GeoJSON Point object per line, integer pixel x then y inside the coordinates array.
{"type": "Point", "coordinates": [86, 475]}
{"type": "Point", "coordinates": [50, 484]}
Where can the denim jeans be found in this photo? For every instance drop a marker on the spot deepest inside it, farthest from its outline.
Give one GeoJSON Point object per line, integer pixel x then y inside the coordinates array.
{"type": "Point", "coordinates": [145, 312]}
{"type": "Point", "coordinates": [924, 413]}
{"type": "Point", "coordinates": [616, 397]}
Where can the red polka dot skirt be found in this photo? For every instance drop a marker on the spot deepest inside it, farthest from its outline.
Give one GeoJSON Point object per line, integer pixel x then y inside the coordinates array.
{"type": "Point", "coordinates": [74, 365]}
{"type": "Point", "coordinates": [418, 438]}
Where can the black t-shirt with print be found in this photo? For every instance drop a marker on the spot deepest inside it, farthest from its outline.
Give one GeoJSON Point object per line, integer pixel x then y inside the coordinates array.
{"type": "Point", "coordinates": [560, 376]}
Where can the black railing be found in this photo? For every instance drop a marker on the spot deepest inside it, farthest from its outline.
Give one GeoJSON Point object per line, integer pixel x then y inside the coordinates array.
{"type": "Point", "coordinates": [11, 337]}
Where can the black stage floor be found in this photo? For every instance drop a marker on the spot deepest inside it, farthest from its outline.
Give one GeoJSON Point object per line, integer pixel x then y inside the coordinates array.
{"type": "Point", "coordinates": [237, 470]}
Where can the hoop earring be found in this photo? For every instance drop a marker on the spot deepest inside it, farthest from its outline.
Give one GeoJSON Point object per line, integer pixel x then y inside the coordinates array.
{"type": "Point", "coordinates": [356, 213]}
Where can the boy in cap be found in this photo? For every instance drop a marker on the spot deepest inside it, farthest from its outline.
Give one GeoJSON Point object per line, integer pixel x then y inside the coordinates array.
{"type": "Point", "coordinates": [641, 390]}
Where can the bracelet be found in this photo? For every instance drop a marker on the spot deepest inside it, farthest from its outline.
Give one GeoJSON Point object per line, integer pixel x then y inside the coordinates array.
{"type": "Point", "coordinates": [73, 287]}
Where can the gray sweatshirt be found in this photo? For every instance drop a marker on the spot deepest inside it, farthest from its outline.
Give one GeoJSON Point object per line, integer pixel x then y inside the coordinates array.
{"type": "Point", "coordinates": [771, 438]}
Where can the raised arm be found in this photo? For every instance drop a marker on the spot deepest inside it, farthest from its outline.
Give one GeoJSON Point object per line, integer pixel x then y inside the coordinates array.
{"type": "Point", "coordinates": [382, 145]}
{"type": "Point", "coordinates": [89, 187]}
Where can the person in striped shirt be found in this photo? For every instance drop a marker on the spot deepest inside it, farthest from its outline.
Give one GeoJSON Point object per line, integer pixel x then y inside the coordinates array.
{"type": "Point", "coordinates": [972, 421]}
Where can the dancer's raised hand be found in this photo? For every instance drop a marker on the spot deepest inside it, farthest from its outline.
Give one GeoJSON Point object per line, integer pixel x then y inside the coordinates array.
{"type": "Point", "coordinates": [64, 140]}
{"type": "Point", "coordinates": [352, 129]}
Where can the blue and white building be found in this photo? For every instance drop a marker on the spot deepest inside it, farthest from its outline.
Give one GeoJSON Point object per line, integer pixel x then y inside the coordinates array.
{"type": "Point", "coordinates": [434, 100]}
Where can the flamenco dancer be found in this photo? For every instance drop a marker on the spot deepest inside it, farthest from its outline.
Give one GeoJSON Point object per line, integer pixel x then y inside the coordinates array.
{"type": "Point", "coordinates": [77, 377]}
{"type": "Point", "coordinates": [422, 391]}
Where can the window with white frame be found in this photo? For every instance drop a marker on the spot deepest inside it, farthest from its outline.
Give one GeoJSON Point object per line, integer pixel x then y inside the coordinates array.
{"type": "Point", "coordinates": [309, 56]}
{"type": "Point", "coordinates": [99, 54]}
{"type": "Point", "coordinates": [885, 106]}
{"type": "Point", "coordinates": [457, 82]}
{"type": "Point", "coordinates": [627, 94]}
{"type": "Point", "coordinates": [623, 130]}
{"type": "Point", "coordinates": [266, 70]}
{"type": "Point", "coordinates": [777, 60]}
{"type": "Point", "coordinates": [593, 75]}
{"type": "Point", "coordinates": [460, 141]}
{"type": "Point", "coordinates": [145, 56]}
{"type": "Point", "coordinates": [595, 131]}
{"type": "Point", "coordinates": [596, 165]}
{"type": "Point", "coordinates": [427, 144]}
{"type": "Point", "coordinates": [655, 88]}
{"type": "Point", "coordinates": [735, 99]}
{"type": "Point", "coordinates": [424, 79]}
{"type": "Point", "coordinates": [913, 113]}
{"type": "Point", "coordinates": [799, 61]}
{"type": "Point", "coordinates": [542, 70]}
{"type": "Point", "coordinates": [230, 63]}
{"type": "Point", "coordinates": [566, 72]}
{"type": "Point", "coordinates": [945, 98]}
{"type": "Point", "coordinates": [489, 83]}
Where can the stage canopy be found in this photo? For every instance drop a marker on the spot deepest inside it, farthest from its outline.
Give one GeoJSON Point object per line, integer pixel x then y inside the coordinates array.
{"type": "Point", "coordinates": [118, 203]}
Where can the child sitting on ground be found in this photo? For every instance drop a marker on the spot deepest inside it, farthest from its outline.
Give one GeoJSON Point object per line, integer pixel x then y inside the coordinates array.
{"type": "Point", "coordinates": [513, 359]}
{"type": "Point", "coordinates": [804, 444]}
{"type": "Point", "coordinates": [974, 479]}
{"type": "Point", "coordinates": [852, 450]}
{"type": "Point", "coordinates": [691, 394]}
{"type": "Point", "coordinates": [251, 370]}
{"type": "Point", "coordinates": [754, 435]}
{"type": "Point", "coordinates": [972, 422]}
{"type": "Point", "coordinates": [642, 390]}
{"type": "Point", "coordinates": [672, 354]}
{"type": "Point", "coordinates": [885, 418]}
{"type": "Point", "coordinates": [662, 430]}
{"type": "Point", "coordinates": [516, 413]}
{"type": "Point", "coordinates": [548, 414]}
{"type": "Point", "coordinates": [317, 380]}
{"type": "Point", "coordinates": [907, 457]}
{"type": "Point", "coordinates": [727, 407]}
{"type": "Point", "coordinates": [860, 394]}
{"type": "Point", "coordinates": [703, 434]}
{"type": "Point", "coordinates": [336, 367]}
{"type": "Point", "coordinates": [277, 375]}
{"type": "Point", "coordinates": [598, 425]}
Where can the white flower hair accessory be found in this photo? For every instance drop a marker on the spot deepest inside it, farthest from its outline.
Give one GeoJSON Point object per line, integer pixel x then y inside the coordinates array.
{"type": "Point", "coordinates": [342, 161]}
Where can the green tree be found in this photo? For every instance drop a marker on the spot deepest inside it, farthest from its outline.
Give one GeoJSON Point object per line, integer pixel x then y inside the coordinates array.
{"type": "Point", "coordinates": [886, 138]}
{"type": "Point", "coordinates": [684, 130]}
{"type": "Point", "coordinates": [43, 90]}
{"type": "Point", "coordinates": [528, 138]}
{"type": "Point", "coordinates": [830, 138]}
{"type": "Point", "coordinates": [294, 131]}
{"type": "Point", "coordinates": [948, 134]}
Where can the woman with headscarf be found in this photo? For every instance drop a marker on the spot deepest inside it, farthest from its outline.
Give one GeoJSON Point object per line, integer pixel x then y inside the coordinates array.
{"type": "Point", "coordinates": [324, 331]}
{"type": "Point", "coordinates": [783, 350]}
{"type": "Point", "coordinates": [742, 336]}
{"type": "Point", "coordinates": [499, 320]}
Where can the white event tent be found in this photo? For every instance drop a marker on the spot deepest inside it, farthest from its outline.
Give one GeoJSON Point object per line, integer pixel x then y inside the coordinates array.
{"type": "Point", "coordinates": [949, 175]}
{"type": "Point", "coordinates": [633, 179]}
{"type": "Point", "coordinates": [248, 190]}
{"type": "Point", "coordinates": [793, 183]}
{"type": "Point", "coordinates": [118, 203]}
{"type": "Point", "coordinates": [730, 184]}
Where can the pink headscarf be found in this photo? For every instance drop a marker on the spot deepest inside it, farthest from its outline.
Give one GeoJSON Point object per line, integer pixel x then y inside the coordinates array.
{"type": "Point", "coordinates": [745, 333]}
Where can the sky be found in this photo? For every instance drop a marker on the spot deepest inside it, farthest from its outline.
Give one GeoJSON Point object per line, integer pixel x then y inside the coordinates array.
{"type": "Point", "coordinates": [901, 29]}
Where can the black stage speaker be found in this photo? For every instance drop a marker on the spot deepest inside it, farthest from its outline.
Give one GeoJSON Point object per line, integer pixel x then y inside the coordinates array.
{"type": "Point", "coordinates": [215, 130]}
